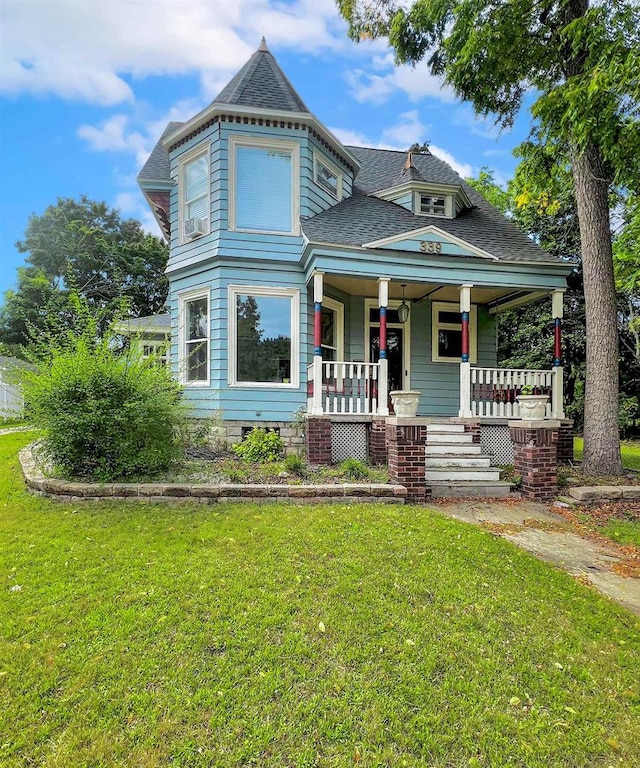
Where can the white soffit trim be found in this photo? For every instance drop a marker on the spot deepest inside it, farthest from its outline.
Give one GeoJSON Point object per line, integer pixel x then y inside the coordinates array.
{"type": "Point", "coordinates": [267, 114]}
{"type": "Point", "coordinates": [431, 230]}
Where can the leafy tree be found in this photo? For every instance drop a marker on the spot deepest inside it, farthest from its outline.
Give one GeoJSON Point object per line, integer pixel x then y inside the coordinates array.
{"type": "Point", "coordinates": [87, 247]}
{"type": "Point", "coordinates": [582, 63]}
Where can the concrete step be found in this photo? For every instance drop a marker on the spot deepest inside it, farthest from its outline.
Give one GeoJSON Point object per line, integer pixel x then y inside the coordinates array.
{"type": "Point", "coordinates": [451, 474]}
{"type": "Point", "coordinates": [442, 427]}
{"type": "Point", "coordinates": [454, 490]}
{"type": "Point", "coordinates": [449, 449]}
{"type": "Point", "coordinates": [449, 437]}
{"type": "Point", "coordinates": [458, 460]}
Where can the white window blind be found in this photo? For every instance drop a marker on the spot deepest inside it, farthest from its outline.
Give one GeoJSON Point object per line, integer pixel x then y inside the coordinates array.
{"type": "Point", "coordinates": [263, 189]}
{"type": "Point", "coordinates": [196, 180]}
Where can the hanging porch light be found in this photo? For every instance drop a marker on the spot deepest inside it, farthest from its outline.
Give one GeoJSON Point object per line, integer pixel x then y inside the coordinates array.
{"type": "Point", "coordinates": [404, 308]}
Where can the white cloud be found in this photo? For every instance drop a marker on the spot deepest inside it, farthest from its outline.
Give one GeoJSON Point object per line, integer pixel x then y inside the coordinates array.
{"type": "Point", "coordinates": [90, 51]}
{"type": "Point", "coordinates": [416, 82]}
{"type": "Point", "coordinates": [462, 169]}
{"type": "Point", "coordinates": [409, 130]}
{"type": "Point", "coordinates": [113, 135]}
{"type": "Point", "coordinates": [134, 205]}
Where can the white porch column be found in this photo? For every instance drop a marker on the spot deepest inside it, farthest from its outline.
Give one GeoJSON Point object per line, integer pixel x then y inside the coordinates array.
{"type": "Point", "coordinates": [316, 401]}
{"type": "Point", "coordinates": [383, 370]}
{"type": "Point", "coordinates": [465, 365]}
{"type": "Point", "coordinates": [557, 387]}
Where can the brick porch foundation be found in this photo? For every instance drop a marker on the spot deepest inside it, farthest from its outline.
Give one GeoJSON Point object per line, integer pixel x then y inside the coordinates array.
{"type": "Point", "coordinates": [406, 455]}
{"type": "Point", "coordinates": [565, 443]}
{"type": "Point", "coordinates": [318, 439]}
{"type": "Point", "coordinates": [378, 441]}
{"type": "Point", "coordinates": [535, 448]}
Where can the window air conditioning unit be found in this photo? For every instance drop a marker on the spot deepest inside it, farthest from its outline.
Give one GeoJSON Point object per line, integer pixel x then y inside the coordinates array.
{"type": "Point", "coordinates": [195, 227]}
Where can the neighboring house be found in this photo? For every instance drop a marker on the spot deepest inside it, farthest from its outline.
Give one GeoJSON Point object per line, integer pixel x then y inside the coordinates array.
{"type": "Point", "coordinates": [306, 274]}
{"type": "Point", "coordinates": [10, 392]}
{"type": "Point", "coordinates": [149, 335]}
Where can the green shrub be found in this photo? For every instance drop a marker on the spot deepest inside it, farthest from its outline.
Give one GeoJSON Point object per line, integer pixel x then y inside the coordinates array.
{"type": "Point", "coordinates": [260, 445]}
{"type": "Point", "coordinates": [354, 469]}
{"type": "Point", "coordinates": [293, 464]}
{"type": "Point", "coordinates": [105, 416]}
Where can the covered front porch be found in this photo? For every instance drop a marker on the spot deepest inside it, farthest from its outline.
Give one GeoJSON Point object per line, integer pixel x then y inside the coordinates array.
{"type": "Point", "coordinates": [436, 338]}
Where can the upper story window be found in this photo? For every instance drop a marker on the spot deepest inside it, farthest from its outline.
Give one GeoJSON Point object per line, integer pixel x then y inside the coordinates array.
{"type": "Point", "coordinates": [327, 176]}
{"type": "Point", "coordinates": [194, 194]}
{"type": "Point", "coordinates": [432, 205]}
{"type": "Point", "coordinates": [194, 338]}
{"type": "Point", "coordinates": [264, 185]}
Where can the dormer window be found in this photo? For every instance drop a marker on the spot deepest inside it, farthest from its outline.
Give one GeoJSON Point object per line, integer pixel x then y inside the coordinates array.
{"type": "Point", "coordinates": [432, 205]}
{"type": "Point", "coordinates": [327, 176]}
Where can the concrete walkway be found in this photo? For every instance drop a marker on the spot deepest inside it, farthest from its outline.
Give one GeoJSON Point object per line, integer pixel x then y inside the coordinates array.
{"type": "Point", "coordinates": [550, 537]}
{"type": "Point", "coordinates": [11, 430]}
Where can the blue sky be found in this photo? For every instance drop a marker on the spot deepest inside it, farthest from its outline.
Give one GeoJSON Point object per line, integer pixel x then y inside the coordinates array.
{"type": "Point", "coordinates": [86, 87]}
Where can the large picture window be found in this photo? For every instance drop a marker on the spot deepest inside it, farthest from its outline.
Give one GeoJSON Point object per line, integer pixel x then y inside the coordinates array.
{"type": "Point", "coordinates": [194, 338]}
{"type": "Point", "coordinates": [264, 336]}
{"type": "Point", "coordinates": [446, 339]}
{"type": "Point", "coordinates": [265, 186]}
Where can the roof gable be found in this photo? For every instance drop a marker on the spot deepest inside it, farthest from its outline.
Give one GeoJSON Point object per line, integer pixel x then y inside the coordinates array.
{"type": "Point", "coordinates": [431, 240]}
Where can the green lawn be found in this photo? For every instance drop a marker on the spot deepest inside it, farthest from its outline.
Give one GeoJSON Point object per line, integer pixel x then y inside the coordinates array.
{"type": "Point", "coordinates": [281, 636]}
{"type": "Point", "coordinates": [630, 452]}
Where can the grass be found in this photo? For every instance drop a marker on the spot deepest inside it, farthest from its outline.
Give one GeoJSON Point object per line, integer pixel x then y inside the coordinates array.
{"type": "Point", "coordinates": [328, 636]}
{"type": "Point", "coordinates": [630, 452]}
{"type": "Point", "coordinates": [623, 531]}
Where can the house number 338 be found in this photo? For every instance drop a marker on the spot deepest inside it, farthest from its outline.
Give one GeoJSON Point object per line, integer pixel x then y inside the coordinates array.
{"type": "Point", "coordinates": [427, 246]}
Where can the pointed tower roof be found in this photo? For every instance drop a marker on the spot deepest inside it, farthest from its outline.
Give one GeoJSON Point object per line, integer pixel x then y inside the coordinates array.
{"type": "Point", "coordinates": [261, 83]}
{"type": "Point", "coordinates": [409, 172]}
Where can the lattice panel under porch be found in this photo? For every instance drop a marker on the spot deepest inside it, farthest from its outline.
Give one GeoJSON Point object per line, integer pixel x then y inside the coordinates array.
{"type": "Point", "coordinates": [348, 441]}
{"type": "Point", "coordinates": [495, 441]}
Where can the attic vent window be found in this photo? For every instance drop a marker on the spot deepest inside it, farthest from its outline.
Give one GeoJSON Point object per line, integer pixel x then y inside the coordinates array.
{"type": "Point", "coordinates": [328, 177]}
{"type": "Point", "coordinates": [435, 206]}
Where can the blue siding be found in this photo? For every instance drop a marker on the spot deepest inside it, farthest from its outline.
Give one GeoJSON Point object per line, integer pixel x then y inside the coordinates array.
{"type": "Point", "coordinates": [413, 245]}
{"type": "Point", "coordinates": [405, 200]}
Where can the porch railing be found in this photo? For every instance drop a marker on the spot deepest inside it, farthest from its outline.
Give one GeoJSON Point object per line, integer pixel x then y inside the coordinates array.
{"type": "Point", "coordinates": [349, 388]}
{"type": "Point", "coordinates": [494, 390]}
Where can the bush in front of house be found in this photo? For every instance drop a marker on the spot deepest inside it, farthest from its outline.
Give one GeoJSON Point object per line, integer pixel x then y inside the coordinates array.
{"type": "Point", "coordinates": [260, 445]}
{"type": "Point", "coordinates": [105, 415]}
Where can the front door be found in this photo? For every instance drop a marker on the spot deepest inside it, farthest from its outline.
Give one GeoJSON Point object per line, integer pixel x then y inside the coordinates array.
{"type": "Point", "coordinates": [395, 356]}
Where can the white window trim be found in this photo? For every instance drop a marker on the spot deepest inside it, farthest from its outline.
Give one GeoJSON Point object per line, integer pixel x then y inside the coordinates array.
{"type": "Point", "coordinates": [448, 203]}
{"type": "Point", "coordinates": [406, 347]}
{"type": "Point", "coordinates": [278, 145]}
{"type": "Point", "coordinates": [320, 160]}
{"type": "Point", "coordinates": [258, 290]}
{"type": "Point", "coordinates": [439, 306]}
{"type": "Point", "coordinates": [183, 299]}
{"type": "Point", "coordinates": [338, 308]}
{"type": "Point", "coordinates": [183, 161]}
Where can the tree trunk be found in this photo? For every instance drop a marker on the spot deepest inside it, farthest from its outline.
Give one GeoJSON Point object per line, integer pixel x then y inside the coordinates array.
{"type": "Point", "coordinates": [601, 431]}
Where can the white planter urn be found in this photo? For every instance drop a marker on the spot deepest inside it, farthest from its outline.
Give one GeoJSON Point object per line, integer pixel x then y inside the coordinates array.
{"type": "Point", "coordinates": [405, 401]}
{"type": "Point", "coordinates": [533, 407]}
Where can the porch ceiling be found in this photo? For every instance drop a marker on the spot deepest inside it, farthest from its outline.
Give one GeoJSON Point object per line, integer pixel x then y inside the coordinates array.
{"type": "Point", "coordinates": [357, 286]}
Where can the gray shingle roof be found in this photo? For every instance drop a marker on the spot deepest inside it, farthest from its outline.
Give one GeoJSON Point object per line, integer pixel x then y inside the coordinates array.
{"type": "Point", "coordinates": [381, 168]}
{"type": "Point", "coordinates": [363, 219]}
{"type": "Point", "coordinates": [157, 167]}
{"type": "Point", "coordinates": [150, 321]}
{"type": "Point", "coordinates": [261, 83]}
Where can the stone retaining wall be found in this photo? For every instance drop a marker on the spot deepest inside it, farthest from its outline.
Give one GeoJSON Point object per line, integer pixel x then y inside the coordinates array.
{"type": "Point", "coordinates": [63, 490]}
{"type": "Point", "coordinates": [587, 494]}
